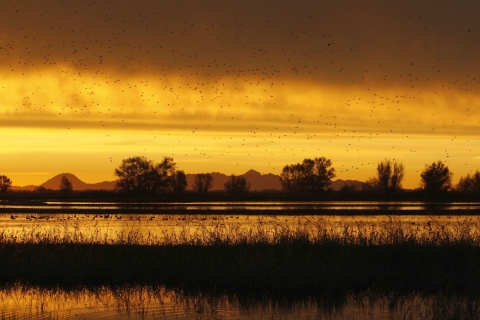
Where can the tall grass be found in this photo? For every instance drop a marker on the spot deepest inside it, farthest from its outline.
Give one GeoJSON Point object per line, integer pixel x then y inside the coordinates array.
{"type": "Point", "coordinates": [312, 256]}
{"type": "Point", "coordinates": [319, 230]}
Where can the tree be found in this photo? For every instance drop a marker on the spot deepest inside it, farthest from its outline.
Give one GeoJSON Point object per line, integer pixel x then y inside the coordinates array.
{"type": "Point", "coordinates": [310, 176]}
{"type": "Point", "coordinates": [291, 178]}
{"type": "Point", "coordinates": [179, 182]}
{"type": "Point", "coordinates": [237, 185]}
{"type": "Point", "coordinates": [136, 174]}
{"type": "Point", "coordinates": [40, 189]}
{"type": "Point", "coordinates": [470, 184]}
{"type": "Point", "coordinates": [65, 185]}
{"type": "Point", "coordinates": [165, 175]}
{"type": "Point", "coordinates": [140, 175]}
{"type": "Point", "coordinates": [202, 183]}
{"type": "Point", "coordinates": [436, 178]}
{"type": "Point", "coordinates": [389, 177]}
{"type": "Point", "coordinates": [5, 184]}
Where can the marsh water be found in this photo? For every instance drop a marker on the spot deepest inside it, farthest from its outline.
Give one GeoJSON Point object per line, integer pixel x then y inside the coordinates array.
{"type": "Point", "coordinates": [166, 225]}
{"type": "Point", "coordinates": [159, 303]}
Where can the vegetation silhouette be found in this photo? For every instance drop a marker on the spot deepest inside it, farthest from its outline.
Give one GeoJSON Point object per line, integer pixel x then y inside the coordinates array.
{"type": "Point", "coordinates": [179, 181]}
{"type": "Point", "coordinates": [312, 176]}
{"type": "Point", "coordinates": [237, 186]}
{"type": "Point", "coordinates": [389, 177]}
{"type": "Point", "coordinates": [278, 258]}
{"type": "Point", "coordinates": [470, 184]}
{"type": "Point", "coordinates": [138, 175]}
{"type": "Point", "coordinates": [202, 183]}
{"type": "Point", "coordinates": [5, 184]}
{"type": "Point", "coordinates": [65, 185]}
{"type": "Point", "coordinates": [141, 178]}
{"type": "Point", "coordinates": [436, 179]}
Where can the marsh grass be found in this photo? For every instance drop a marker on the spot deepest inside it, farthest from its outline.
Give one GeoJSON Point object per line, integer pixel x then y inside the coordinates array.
{"type": "Point", "coordinates": [310, 257]}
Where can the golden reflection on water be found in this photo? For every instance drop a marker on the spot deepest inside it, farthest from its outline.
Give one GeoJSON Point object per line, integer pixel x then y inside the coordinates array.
{"type": "Point", "coordinates": [139, 302]}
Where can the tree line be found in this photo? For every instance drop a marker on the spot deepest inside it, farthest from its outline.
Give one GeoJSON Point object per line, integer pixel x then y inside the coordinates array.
{"type": "Point", "coordinates": [139, 175]}
{"type": "Point", "coordinates": [142, 176]}
{"type": "Point", "coordinates": [436, 178]}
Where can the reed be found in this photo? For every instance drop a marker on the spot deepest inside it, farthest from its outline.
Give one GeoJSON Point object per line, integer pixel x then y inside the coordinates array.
{"type": "Point", "coordinates": [308, 258]}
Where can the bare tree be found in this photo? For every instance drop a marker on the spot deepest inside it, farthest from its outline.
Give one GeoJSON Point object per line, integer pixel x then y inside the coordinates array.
{"type": "Point", "coordinates": [202, 183]}
{"type": "Point", "coordinates": [237, 185]}
{"type": "Point", "coordinates": [436, 178]}
{"type": "Point", "coordinates": [5, 184]}
{"type": "Point", "coordinates": [389, 177]}
{"type": "Point", "coordinates": [65, 185]}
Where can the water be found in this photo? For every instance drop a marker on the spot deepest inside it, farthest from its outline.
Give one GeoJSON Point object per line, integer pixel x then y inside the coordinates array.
{"type": "Point", "coordinates": [109, 222]}
{"type": "Point", "coordinates": [171, 228]}
{"type": "Point", "coordinates": [246, 206]}
{"type": "Point", "coordinates": [141, 302]}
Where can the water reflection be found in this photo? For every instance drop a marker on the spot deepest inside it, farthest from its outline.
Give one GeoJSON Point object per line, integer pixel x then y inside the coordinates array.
{"type": "Point", "coordinates": [244, 206]}
{"type": "Point", "coordinates": [143, 302]}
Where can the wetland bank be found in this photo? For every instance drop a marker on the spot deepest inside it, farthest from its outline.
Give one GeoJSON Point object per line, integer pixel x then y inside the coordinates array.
{"type": "Point", "coordinates": [232, 262]}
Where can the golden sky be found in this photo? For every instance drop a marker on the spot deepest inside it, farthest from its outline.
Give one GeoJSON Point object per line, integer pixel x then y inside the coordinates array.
{"type": "Point", "coordinates": [230, 86]}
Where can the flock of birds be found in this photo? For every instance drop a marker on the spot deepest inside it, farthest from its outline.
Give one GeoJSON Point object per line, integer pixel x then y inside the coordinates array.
{"type": "Point", "coordinates": [127, 217]}
{"type": "Point", "coordinates": [224, 90]}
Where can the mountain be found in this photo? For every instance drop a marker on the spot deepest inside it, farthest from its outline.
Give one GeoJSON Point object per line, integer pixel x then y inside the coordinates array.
{"type": "Point", "coordinates": [257, 182]}
{"type": "Point", "coordinates": [339, 184]}
{"type": "Point", "coordinates": [77, 184]}
{"type": "Point", "coordinates": [260, 181]}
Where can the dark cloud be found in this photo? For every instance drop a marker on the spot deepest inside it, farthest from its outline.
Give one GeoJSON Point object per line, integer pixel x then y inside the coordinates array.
{"type": "Point", "coordinates": [313, 40]}
{"type": "Point", "coordinates": [346, 75]}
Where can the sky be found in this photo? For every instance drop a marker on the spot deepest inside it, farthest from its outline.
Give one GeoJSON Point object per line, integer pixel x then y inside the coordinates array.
{"type": "Point", "coordinates": [228, 86]}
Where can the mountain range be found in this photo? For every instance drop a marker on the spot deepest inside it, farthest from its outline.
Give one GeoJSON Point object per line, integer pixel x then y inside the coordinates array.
{"type": "Point", "coordinates": [257, 181]}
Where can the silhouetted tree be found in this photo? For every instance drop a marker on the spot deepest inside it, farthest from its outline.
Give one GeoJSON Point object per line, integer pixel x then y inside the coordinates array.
{"type": "Point", "coordinates": [389, 177]}
{"type": "Point", "coordinates": [436, 178]}
{"type": "Point", "coordinates": [237, 185]}
{"type": "Point", "coordinates": [202, 183]}
{"type": "Point", "coordinates": [470, 184]}
{"type": "Point", "coordinates": [179, 182]}
{"type": "Point", "coordinates": [40, 189]}
{"type": "Point", "coordinates": [291, 177]}
{"type": "Point", "coordinates": [65, 185]}
{"type": "Point", "coordinates": [310, 176]}
{"type": "Point", "coordinates": [165, 176]}
{"type": "Point", "coordinates": [348, 189]}
{"type": "Point", "coordinates": [140, 175]}
{"type": "Point", "coordinates": [5, 184]}
{"type": "Point", "coordinates": [370, 185]}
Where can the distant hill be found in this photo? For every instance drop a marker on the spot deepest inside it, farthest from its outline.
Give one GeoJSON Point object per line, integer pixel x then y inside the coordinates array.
{"type": "Point", "coordinates": [25, 188]}
{"type": "Point", "coordinates": [260, 181]}
{"type": "Point", "coordinates": [77, 184]}
{"type": "Point", "coordinates": [339, 184]}
{"type": "Point", "coordinates": [257, 181]}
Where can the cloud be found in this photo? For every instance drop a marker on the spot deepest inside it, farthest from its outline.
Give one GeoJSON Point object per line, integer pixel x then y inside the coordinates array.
{"type": "Point", "coordinates": [110, 77]}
